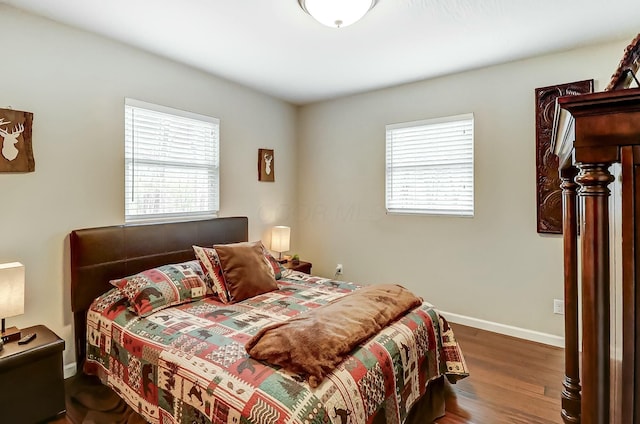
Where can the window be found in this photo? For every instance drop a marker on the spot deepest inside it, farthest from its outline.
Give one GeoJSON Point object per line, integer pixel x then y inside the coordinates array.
{"type": "Point", "coordinates": [171, 163]}
{"type": "Point", "coordinates": [430, 167]}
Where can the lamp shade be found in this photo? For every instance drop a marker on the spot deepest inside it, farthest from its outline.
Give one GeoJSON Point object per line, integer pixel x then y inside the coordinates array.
{"type": "Point", "coordinates": [337, 13]}
{"type": "Point", "coordinates": [11, 289]}
{"type": "Point", "coordinates": [280, 236]}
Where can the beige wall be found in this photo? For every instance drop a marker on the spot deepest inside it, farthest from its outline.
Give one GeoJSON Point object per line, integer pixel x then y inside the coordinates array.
{"type": "Point", "coordinates": [75, 84]}
{"type": "Point", "coordinates": [493, 266]}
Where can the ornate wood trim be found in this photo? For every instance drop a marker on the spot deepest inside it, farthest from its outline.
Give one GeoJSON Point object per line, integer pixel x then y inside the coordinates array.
{"type": "Point", "coordinates": [549, 194]}
{"type": "Point", "coordinates": [630, 61]}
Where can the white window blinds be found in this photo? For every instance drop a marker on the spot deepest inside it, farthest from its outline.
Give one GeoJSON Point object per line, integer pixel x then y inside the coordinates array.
{"type": "Point", "coordinates": [429, 166]}
{"type": "Point", "coordinates": [171, 163]}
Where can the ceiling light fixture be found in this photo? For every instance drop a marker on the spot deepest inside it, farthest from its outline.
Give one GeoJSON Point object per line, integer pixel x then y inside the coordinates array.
{"type": "Point", "coordinates": [337, 13]}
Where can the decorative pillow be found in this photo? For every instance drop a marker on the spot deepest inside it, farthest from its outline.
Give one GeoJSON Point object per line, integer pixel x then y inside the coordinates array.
{"type": "Point", "coordinates": [197, 268]}
{"type": "Point", "coordinates": [276, 266]}
{"type": "Point", "coordinates": [210, 262]}
{"type": "Point", "coordinates": [247, 272]}
{"type": "Point", "coordinates": [158, 288]}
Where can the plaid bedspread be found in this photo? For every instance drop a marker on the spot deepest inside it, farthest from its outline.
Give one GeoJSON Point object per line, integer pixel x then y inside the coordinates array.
{"type": "Point", "coordinates": [187, 363]}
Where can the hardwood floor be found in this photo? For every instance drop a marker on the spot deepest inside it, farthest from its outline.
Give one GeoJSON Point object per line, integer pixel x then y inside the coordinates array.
{"type": "Point", "coordinates": [512, 381]}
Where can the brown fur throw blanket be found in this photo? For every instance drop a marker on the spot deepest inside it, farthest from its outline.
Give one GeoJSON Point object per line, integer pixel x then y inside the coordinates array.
{"type": "Point", "coordinates": [314, 343]}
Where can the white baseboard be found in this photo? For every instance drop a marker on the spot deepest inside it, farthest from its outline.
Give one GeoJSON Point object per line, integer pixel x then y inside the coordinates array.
{"type": "Point", "coordinates": [69, 370]}
{"type": "Point", "coordinates": [522, 333]}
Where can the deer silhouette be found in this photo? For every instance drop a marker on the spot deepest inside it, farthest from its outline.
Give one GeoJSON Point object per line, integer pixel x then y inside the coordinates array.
{"type": "Point", "coordinates": [268, 158]}
{"type": "Point", "coordinates": [9, 150]}
{"type": "Point", "coordinates": [342, 413]}
{"type": "Point", "coordinates": [196, 392]}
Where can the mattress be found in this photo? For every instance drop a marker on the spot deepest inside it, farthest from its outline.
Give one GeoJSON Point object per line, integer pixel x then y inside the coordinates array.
{"type": "Point", "coordinates": [188, 364]}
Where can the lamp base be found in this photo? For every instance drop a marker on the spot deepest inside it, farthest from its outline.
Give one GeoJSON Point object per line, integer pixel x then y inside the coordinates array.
{"type": "Point", "coordinates": [284, 259]}
{"type": "Point", "coordinates": [11, 334]}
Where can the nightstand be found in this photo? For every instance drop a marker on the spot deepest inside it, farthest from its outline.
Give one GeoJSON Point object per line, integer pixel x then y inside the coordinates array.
{"type": "Point", "coordinates": [300, 266]}
{"type": "Point", "coordinates": [31, 378]}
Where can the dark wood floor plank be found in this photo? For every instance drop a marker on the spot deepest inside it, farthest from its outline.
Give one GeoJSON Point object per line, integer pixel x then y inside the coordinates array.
{"type": "Point", "coordinates": [512, 381]}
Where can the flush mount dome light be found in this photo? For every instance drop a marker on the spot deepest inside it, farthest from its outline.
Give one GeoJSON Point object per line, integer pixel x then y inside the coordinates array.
{"type": "Point", "coordinates": [337, 13]}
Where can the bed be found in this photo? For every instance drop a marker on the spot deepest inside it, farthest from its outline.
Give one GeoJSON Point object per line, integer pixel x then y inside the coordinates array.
{"type": "Point", "coordinates": [187, 363]}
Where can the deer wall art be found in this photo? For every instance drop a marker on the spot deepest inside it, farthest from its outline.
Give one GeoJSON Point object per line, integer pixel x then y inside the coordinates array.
{"type": "Point", "coordinates": [266, 165]}
{"type": "Point", "coordinates": [16, 154]}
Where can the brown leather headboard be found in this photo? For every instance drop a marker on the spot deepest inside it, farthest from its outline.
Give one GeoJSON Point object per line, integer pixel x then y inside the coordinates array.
{"type": "Point", "coordinates": [102, 254]}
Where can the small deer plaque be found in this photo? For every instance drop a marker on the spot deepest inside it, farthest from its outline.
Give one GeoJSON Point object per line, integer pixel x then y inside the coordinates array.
{"type": "Point", "coordinates": [266, 166]}
{"type": "Point", "coordinates": [16, 154]}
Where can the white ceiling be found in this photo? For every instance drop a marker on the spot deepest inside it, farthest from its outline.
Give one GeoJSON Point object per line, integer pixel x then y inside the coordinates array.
{"type": "Point", "coordinates": [275, 47]}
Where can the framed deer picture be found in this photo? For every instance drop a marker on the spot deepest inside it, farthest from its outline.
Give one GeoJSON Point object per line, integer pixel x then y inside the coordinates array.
{"type": "Point", "coordinates": [266, 165]}
{"type": "Point", "coordinates": [16, 154]}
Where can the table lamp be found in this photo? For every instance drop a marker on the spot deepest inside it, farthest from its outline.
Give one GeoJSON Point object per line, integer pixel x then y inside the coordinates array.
{"type": "Point", "coordinates": [11, 297]}
{"type": "Point", "coordinates": [280, 236]}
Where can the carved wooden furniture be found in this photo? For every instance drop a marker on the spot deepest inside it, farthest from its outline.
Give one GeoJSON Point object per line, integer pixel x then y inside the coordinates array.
{"type": "Point", "coordinates": [607, 130]}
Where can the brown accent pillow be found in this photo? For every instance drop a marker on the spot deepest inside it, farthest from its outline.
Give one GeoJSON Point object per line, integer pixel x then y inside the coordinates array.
{"type": "Point", "coordinates": [246, 271]}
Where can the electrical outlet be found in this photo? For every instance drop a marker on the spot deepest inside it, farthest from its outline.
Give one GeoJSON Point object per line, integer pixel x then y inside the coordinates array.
{"type": "Point", "coordinates": [558, 306]}
{"type": "Point", "coordinates": [339, 269]}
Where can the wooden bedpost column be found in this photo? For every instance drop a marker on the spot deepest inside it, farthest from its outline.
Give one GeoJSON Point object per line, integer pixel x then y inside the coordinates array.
{"type": "Point", "coordinates": [630, 288]}
{"type": "Point", "coordinates": [594, 193]}
{"type": "Point", "coordinates": [571, 383]}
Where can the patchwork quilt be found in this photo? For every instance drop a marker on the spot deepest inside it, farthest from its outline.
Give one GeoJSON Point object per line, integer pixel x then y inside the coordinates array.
{"type": "Point", "coordinates": [188, 364]}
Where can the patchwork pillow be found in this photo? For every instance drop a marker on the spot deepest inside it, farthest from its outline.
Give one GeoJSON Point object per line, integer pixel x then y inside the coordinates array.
{"type": "Point", "coordinates": [158, 288]}
{"type": "Point", "coordinates": [210, 263]}
{"type": "Point", "coordinates": [276, 266]}
{"type": "Point", "coordinates": [247, 272]}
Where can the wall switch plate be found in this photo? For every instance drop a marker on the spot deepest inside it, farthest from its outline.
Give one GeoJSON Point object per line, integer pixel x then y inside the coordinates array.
{"type": "Point", "coordinates": [558, 306]}
{"type": "Point", "coordinates": [339, 269]}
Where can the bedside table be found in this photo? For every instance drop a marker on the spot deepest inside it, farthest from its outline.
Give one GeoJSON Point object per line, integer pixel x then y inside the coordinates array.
{"type": "Point", "coordinates": [300, 266]}
{"type": "Point", "coordinates": [31, 378]}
